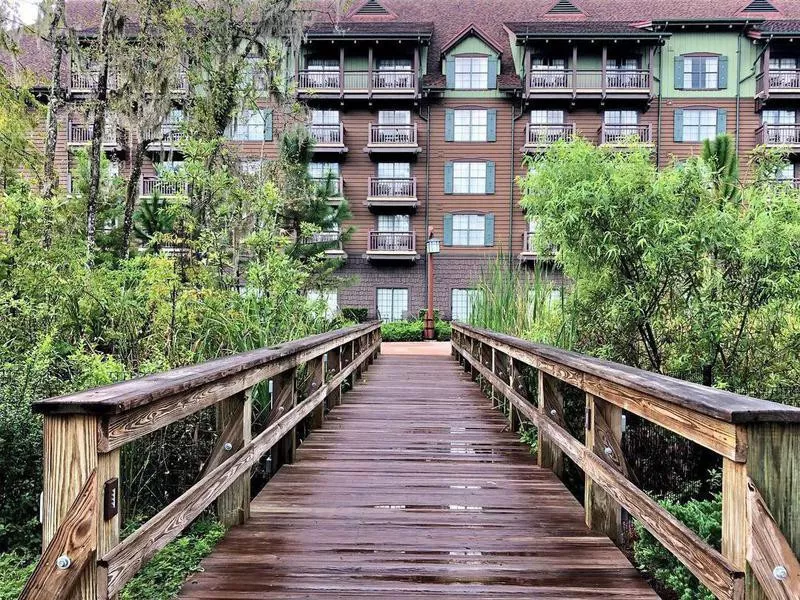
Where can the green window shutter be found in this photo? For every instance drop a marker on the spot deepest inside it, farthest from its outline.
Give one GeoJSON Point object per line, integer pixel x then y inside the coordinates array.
{"type": "Point", "coordinates": [450, 72]}
{"type": "Point", "coordinates": [492, 78]}
{"type": "Point", "coordinates": [448, 178]}
{"type": "Point", "coordinates": [449, 125]}
{"type": "Point", "coordinates": [722, 75]}
{"type": "Point", "coordinates": [448, 230]}
{"type": "Point", "coordinates": [678, 72]}
{"type": "Point", "coordinates": [488, 230]}
{"type": "Point", "coordinates": [268, 127]}
{"type": "Point", "coordinates": [491, 125]}
{"type": "Point", "coordinates": [490, 177]}
{"type": "Point", "coordinates": [722, 120]}
{"type": "Point", "coordinates": [678, 137]}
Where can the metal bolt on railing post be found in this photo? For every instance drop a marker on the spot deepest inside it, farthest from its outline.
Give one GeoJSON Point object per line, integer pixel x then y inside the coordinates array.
{"type": "Point", "coordinates": [553, 413]}
{"type": "Point", "coordinates": [227, 446]}
{"type": "Point", "coordinates": [780, 573]}
{"type": "Point", "coordinates": [608, 451]}
{"type": "Point", "coordinates": [63, 562]}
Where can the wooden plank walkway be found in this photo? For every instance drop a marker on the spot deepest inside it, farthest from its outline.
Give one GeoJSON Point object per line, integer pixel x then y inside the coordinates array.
{"type": "Point", "coordinates": [414, 488]}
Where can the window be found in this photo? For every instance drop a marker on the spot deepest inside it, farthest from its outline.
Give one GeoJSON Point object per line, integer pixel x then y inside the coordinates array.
{"type": "Point", "coordinates": [323, 64]}
{"type": "Point", "coordinates": [470, 125]}
{"type": "Point", "coordinates": [325, 126]}
{"type": "Point", "coordinates": [548, 72]}
{"type": "Point", "coordinates": [621, 117]}
{"type": "Point", "coordinates": [785, 173]}
{"type": "Point", "coordinates": [782, 64]}
{"type": "Point", "coordinates": [394, 117]}
{"type": "Point", "coordinates": [324, 73]}
{"type": "Point", "coordinates": [701, 72]}
{"type": "Point", "coordinates": [471, 72]}
{"type": "Point", "coordinates": [780, 126]}
{"type": "Point", "coordinates": [469, 230]}
{"type": "Point", "coordinates": [328, 298]}
{"type": "Point", "coordinates": [623, 73]}
{"type": "Point", "coordinates": [394, 170]}
{"type": "Point", "coordinates": [394, 223]}
{"type": "Point", "coordinates": [699, 125]}
{"type": "Point", "coordinates": [469, 178]}
{"type": "Point", "coordinates": [547, 117]}
{"type": "Point", "coordinates": [325, 117]}
{"type": "Point", "coordinates": [461, 304]}
{"type": "Point", "coordinates": [392, 303]}
{"type": "Point", "coordinates": [323, 173]}
{"type": "Point", "coordinates": [394, 64]}
{"type": "Point", "coordinates": [254, 75]}
{"type": "Point", "coordinates": [251, 126]}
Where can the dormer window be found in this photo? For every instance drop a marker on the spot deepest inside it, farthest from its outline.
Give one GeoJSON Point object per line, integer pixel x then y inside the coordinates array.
{"type": "Point", "coordinates": [471, 72]}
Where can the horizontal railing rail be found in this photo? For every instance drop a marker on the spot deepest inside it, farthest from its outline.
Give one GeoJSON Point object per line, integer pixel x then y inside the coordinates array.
{"type": "Point", "coordinates": [327, 135]}
{"type": "Point", "coordinates": [89, 80]}
{"type": "Point", "coordinates": [778, 135]}
{"type": "Point", "coordinates": [589, 79]}
{"type": "Point", "coordinates": [82, 133]}
{"type": "Point", "coordinates": [377, 81]}
{"type": "Point", "coordinates": [392, 135]}
{"type": "Point", "coordinates": [163, 187]}
{"type": "Point", "coordinates": [392, 187]}
{"type": "Point", "coordinates": [757, 440]}
{"type": "Point", "coordinates": [545, 134]}
{"type": "Point", "coordinates": [83, 434]}
{"type": "Point", "coordinates": [623, 134]}
{"type": "Point", "coordinates": [392, 241]}
{"type": "Point", "coordinates": [778, 79]}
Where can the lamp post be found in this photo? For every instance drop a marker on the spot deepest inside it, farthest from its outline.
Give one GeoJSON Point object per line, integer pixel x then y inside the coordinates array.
{"type": "Point", "coordinates": [432, 247]}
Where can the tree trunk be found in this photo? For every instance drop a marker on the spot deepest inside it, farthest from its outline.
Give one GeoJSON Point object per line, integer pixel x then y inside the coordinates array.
{"type": "Point", "coordinates": [131, 194]}
{"type": "Point", "coordinates": [98, 130]}
{"type": "Point", "coordinates": [53, 104]}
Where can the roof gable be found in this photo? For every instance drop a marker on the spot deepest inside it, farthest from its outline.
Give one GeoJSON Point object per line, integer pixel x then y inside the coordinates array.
{"type": "Point", "coordinates": [759, 6]}
{"type": "Point", "coordinates": [471, 31]}
{"type": "Point", "coordinates": [564, 7]}
{"type": "Point", "coordinates": [371, 7]}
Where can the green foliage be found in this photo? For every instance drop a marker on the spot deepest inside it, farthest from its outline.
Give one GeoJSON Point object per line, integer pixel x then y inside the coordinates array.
{"type": "Point", "coordinates": [704, 517]}
{"type": "Point", "coordinates": [442, 330]}
{"type": "Point", "coordinates": [14, 571]}
{"type": "Point", "coordinates": [152, 221]}
{"type": "Point", "coordinates": [721, 157]}
{"type": "Point", "coordinates": [353, 313]}
{"type": "Point", "coordinates": [163, 576]}
{"type": "Point", "coordinates": [402, 331]}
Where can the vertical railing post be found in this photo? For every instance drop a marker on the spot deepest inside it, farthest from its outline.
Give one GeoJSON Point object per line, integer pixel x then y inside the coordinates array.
{"type": "Point", "coordinates": [494, 394]}
{"type": "Point", "coordinates": [735, 525]}
{"type": "Point", "coordinates": [284, 397]}
{"type": "Point", "coordinates": [358, 347]}
{"type": "Point", "coordinates": [234, 423]}
{"type": "Point", "coordinates": [316, 378]}
{"type": "Point", "coordinates": [349, 356]}
{"type": "Point", "coordinates": [334, 398]}
{"type": "Point", "coordinates": [604, 438]}
{"type": "Point", "coordinates": [517, 383]}
{"type": "Point", "coordinates": [551, 405]}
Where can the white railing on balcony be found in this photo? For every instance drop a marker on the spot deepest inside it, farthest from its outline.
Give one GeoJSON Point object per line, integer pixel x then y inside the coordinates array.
{"type": "Point", "coordinates": [335, 185]}
{"type": "Point", "coordinates": [153, 185]}
{"type": "Point", "coordinates": [181, 82]}
{"type": "Point", "coordinates": [380, 81]}
{"type": "Point", "coordinates": [544, 135]}
{"type": "Point", "coordinates": [323, 237]}
{"type": "Point", "coordinates": [87, 81]}
{"type": "Point", "coordinates": [81, 133]}
{"type": "Point", "coordinates": [392, 80]}
{"type": "Point", "coordinates": [392, 135]}
{"type": "Point", "coordinates": [327, 135]}
{"type": "Point", "coordinates": [167, 134]}
{"type": "Point", "coordinates": [318, 80]}
{"type": "Point", "coordinates": [392, 241]}
{"type": "Point", "coordinates": [583, 79]}
{"type": "Point", "coordinates": [392, 187]}
{"type": "Point", "coordinates": [620, 135]}
{"type": "Point", "coordinates": [779, 135]}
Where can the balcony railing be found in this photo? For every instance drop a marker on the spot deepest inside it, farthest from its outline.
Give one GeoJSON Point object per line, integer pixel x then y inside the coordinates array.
{"type": "Point", "coordinates": [388, 188]}
{"type": "Point", "coordinates": [164, 188]}
{"type": "Point", "coordinates": [168, 134]}
{"type": "Point", "coordinates": [327, 135]}
{"type": "Point", "coordinates": [615, 80]}
{"type": "Point", "coordinates": [323, 237]}
{"type": "Point", "coordinates": [381, 81]}
{"type": "Point", "coordinates": [538, 135]}
{"type": "Point", "coordinates": [88, 81]}
{"type": "Point", "coordinates": [81, 133]}
{"type": "Point", "coordinates": [777, 80]}
{"type": "Point", "coordinates": [181, 82]}
{"type": "Point", "coordinates": [392, 135]}
{"type": "Point", "coordinates": [529, 250]}
{"type": "Point", "coordinates": [335, 185]}
{"type": "Point", "coordinates": [392, 241]}
{"type": "Point", "coordinates": [621, 135]}
{"type": "Point", "coordinates": [779, 135]}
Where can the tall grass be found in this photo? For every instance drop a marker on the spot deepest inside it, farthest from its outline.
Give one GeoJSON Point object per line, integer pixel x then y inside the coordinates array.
{"type": "Point", "coordinates": [523, 302]}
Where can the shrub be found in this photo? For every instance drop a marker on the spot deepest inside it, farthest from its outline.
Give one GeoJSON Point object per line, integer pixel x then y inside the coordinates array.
{"type": "Point", "coordinates": [443, 331]}
{"type": "Point", "coordinates": [353, 313]}
{"type": "Point", "coordinates": [14, 571]}
{"type": "Point", "coordinates": [704, 517]}
{"type": "Point", "coordinates": [402, 331]}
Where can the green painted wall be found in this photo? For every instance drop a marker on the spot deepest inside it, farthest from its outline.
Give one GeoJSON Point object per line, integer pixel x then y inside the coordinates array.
{"type": "Point", "coordinates": [355, 62]}
{"type": "Point", "coordinates": [724, 43]}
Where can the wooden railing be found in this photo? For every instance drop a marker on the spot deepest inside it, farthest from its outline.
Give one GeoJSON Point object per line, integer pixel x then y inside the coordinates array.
{"type": "Point", "coordinates": [778, 135]}
{"type": "Point", "coordinates": [778, 80]}
{"type": "Point", "coordinates": [163, 187]}
{"type": "Point", "coordinates": [87, 81]}
{"type": "Point", "coordinates": [759, 443]}
{"type": "Point", "coordinates": [377, 81]}
{"type": "Point", "coordinates": [392, 241]}
{"type": "Point", "coordinates": [392, 135]}
{"type": "Point", "coordinates": [81, 133]}
{"type": "Point", "coordinates": [619, 135]}
{"type": "Point", "coordinates": [327, 135]}
{"type": "Point", "coordinates": [588, 79]}
{"type": "Point", "coordinates": [83, 433]}
{"type": "Point", "coordinates": [387, 188]}
{"type": "Point", "coordinates": [545, 135]}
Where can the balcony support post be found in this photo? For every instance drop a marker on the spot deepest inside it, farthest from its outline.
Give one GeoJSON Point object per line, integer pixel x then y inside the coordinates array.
{"type": "Point", "coordinates": [604, 71]}
{"type": "Point", "coordinates": [527, 66]}
{"type": "Point", "coordinates": [417, 74]}
{"type": "Point", "coordinates": [370, 58]}
{"type": "Point", "coordinates": [765, 70]}
{"type": "Point", "coordinates": [651, 81]}
{"type": "Point", "coordinates": [341, 70]}
{"type": "Point", "coordinates": [574, 71]}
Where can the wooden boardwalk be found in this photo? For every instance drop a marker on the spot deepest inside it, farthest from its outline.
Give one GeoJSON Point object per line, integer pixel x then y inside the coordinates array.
{"type": "Point", "coordinates": [414, 488]}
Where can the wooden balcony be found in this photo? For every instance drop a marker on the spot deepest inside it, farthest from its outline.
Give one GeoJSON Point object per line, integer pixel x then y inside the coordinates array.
{"type": "Point", "coordinates": [573, 83]}
{"type": "Point", "coordinates": [331, 240]}
{"type": "Point", "coordinates": [779, 135]}
{"type": "Point", "coordinates": [529, 251]}
{"type": "Point", "coordinates": [335, 187]}
{"type": "Point", "coordinates": [357, 84]}
{"type": "Point", "coordinates": [328, 138]}
{"type": "Point", "coordinates": [392, 139]}
{"type": "Point", "coordinates": [779, 83]}
{"type": "Point", "coordinates": [166, 138]}
{"type": "Point", "coordinates": [148, 186]}
{"type": "Point", "coordinates": [539, 137]}
{"type": "Point", "coordinates": [624, 136]}
{"type": "Point", "coordinates": [80, 134]}
{"type": "Point", "coordinates": [86, 82]}
{"type": "Point", "coordinates": [392, 245]}
{"type": "Point", "coordinates": [180, 84]}
{"type": "Point", "coordinates": [392, 192]}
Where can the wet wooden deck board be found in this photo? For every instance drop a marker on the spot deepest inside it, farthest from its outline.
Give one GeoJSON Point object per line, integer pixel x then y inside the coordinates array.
{"type": "Point", "coordinates": [414, 488]}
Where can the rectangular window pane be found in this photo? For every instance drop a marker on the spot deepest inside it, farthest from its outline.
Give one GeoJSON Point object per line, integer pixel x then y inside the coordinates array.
{"type": "Point", "coordinates": [699, 125]}
{"type": "Point", "coordinates": [701, 72]}
{"type": "Point", "coordinates": [392, 303]}
{"type": "Point", "coordinates": [468, 230]}
{"type": "Point", "coordinates": [470, 125]}
{"type": "Point", "coordinates": [471, 72]}
{"type": "Point", "coordinates": [462, 301]}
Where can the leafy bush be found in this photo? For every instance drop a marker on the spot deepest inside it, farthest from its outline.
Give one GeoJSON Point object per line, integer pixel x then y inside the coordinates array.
{"type": "Point", "coordinates": [14, 571]}
{"type": "Point", "coordinates": [443, 331]}
{"type": "Point", "coordinates": [402, 331]}
{"type": "Point", "coordinates": [163, 576]}
{"type": "Point", "coordinates": [704, 517]}
{"type": "Point", "coordinates": [354, 313]}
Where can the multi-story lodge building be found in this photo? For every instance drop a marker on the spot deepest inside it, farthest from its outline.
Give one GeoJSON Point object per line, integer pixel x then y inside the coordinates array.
{"type": "Point", "coordinates": [423, 111]}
